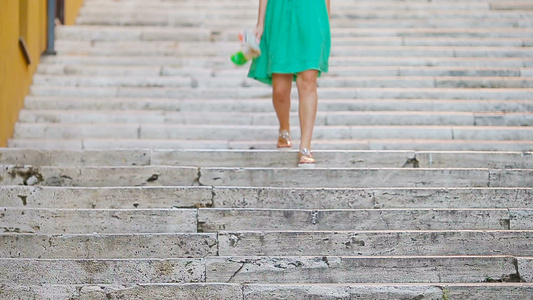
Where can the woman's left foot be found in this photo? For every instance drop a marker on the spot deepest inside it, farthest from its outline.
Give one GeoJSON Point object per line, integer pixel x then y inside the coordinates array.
{"type": "Point", "coordinates": [284, 139]}
{"type": "Point", "coordinates": [306, 159]}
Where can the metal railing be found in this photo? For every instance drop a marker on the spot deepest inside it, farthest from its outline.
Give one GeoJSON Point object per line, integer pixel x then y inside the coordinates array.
{"type": "Point", "coordinates": [51, 34]}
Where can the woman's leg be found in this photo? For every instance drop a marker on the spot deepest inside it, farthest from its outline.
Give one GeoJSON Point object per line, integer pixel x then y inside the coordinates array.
{"type": "Point", "coordinates": [281, 98]}
{"type": "Point", "coordinates": [307, 84]}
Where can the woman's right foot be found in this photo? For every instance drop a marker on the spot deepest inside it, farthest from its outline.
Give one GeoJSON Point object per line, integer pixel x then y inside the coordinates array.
{"type": "Point", "coordinates": [284, 139]}
{"type": "Point", "coordinates": [306, 159]}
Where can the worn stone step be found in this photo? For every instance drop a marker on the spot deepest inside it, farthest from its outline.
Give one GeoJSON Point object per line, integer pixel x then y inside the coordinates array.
{"type": "Point", "coordinates": [265, 105]}
{"type": "Point", "coordinates": [101, 271]}
{"type": "Point", "coordinates": [262, 132]}
{"type": "Point", "coordinates": [265, 198]}
{"type": "Point", "coordinates": [113, 197]}
{"type": "Point", "coordinates": [78, 221]}
{"type": "Point", "coordinates": [369, 269]}
{"type": "Point", "coordinates": [340, 13]}
{"type": "Point", "coordinates": [246, 118]}
{"type": "Point", "coordinates": [295, 243]}
{"type": "Point", "coordinates": [266, 158]}
{"type": "Point", "coordinates": [367, 198]}
{"type": "Point", "coordinates": [365, 177]}
{"type": "Point", "coordinates": [98, 70]}
{"type": "Point", "coordinates": [164, 17]}
{"type": "Point", "coordinates": [327, 82]}
{"type": "Point", "coordinates": [352, 61]}
{"type": "Point", "coordinates": [364, 144]}
{"type": "Point", "coordinates": [183, 46]}
{"type": "Point", "coordinates": [505, 291]}
{"type": "Point", "coordinates": [389, 291]}
{"type": "Point", "coordinates": [262, 270]}
{"type": "Point", "coordinates": [213, 220]}
{"type": "Point", "coordinates": [268, 243]}
{"type": "Point", "coordinates": [108, 246]}
{"type": "Point", "coordinates": [215, 291]}
{"type": "Point", "coordinates": [99, 176]}
{"type": "Point", "coordinates": [266, 93]}
{"type": "Point", "coordinates": [263, 177]}
{"type": "Point", "coordinates": [224, 50]}
{"type": "Point", "coordinates": [114, 34]}
{"type": "Point", "coordinates": [157, 33]}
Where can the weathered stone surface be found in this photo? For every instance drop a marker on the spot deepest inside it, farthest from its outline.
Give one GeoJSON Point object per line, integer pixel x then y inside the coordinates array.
{"type": "Point", "coordinates": [54, 221]}
{"type": "Point", "coordinates": [364, 198]}
{"type": "Point", "coordinates": [521, 218]}
{"type": "Point", "coordinates": [368, 269]}
{"type": "Point", "coordinates": [525, 268]}
{"type": "Point", "coordinates": [347, 178]}
{"type": "Point", "coordinates": [125, 291]}
{"type": "Point", "coordinates": [59, 158]}
{"type": "Point", "coordinates": [275, 158]}
{"type": "Point", "coordinates": [453, 198]}
{"type": "Point", "coordinates": [464, 159]}
{"type": "Point", "coordinates": [68, 272]}
{"type": "Point", "coordinates": [502, 178]}
{"type": "Point", "coordinates": [109, 246]}
{"type": "Point", "coordinates": [105, 197]}
{"type": "Point", "coordinates": [98, 176]}
{"type": "Point", "coordinates": [212, 220]}
{"type": "Point", "coordinates": [492, 291]}
{"type": "Point", "coordinates": [341, 291]}
{"type": "Point", "coordinates": [292, 243]}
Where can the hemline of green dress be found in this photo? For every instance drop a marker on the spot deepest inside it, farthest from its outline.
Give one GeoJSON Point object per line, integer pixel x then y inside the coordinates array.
{"type": "Point", "coordinates": [296, 38]}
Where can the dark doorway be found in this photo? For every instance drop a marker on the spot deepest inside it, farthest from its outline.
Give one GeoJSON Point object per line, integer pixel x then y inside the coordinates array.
{"type": "Point", "coordinates": [60, 11]}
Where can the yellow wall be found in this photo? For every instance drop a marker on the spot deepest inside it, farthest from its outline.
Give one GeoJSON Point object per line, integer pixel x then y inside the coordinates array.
{"type": "Point", "coordinates": [26, 18]}
{"type": "Point", "coordinates": [72, 7]}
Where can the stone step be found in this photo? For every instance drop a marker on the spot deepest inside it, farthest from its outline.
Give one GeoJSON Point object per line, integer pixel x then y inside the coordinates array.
{"type": "Point", "coordinates": [88, 48]}
{"type": "Point", "coordinates": [263, 177]}
{"type": "Point", "coordinates": [119, 197]}
{"type": "Point", "coordinates": [264, 132]}
{"type": "Point", "coordinates": [268, 243]}
{"type": "Point", "coordinates": [342, 3]}
{"type": "Point", "coordinates": [102, 271]}
{"type": "Point", "coordinates": [427, 243]}
{"type": "Point", "coordinates": [339, 13]}
{"type": "Point", "coordinates": [211, 73]}
{"type": "Point", "coordinates": [266, 198]}
{"type": "Point", "coordinates": [213, 220]}
{"type": "Point", "coordinates": [223, 63]}
{"type": "Point", "coordinates": [364, 144]}
{"type": "Point", "coordinates": [77, 221]}
{"type": "Point", "coordinates": [266, 93]}
{"type": "Point", "coordinates": [165, 18]}
{"type": "Point", "coordinates": [327, 82]}
{"type": "Point", "coordinates": [337, 42]}
{"type": "Point", "coordinates": [222, 291]}
{"type": "Point", "coordinates": [266, 158]}
{"type": "Point", "coordinates": [366, 177]}
{"type": "Point", "coordinates": [330, 118]}
{"type": "Point", "coordinates": [108, 246]}
{"type": "Point", "coordinates": [191, 34]}
{"type": "Point", "coordinates": [265, 105]}
{"type": "Point", "coordinates": [369, 269]}
{"type": "Point", "coordinates": [264, 270]}
{"type": "Point", "coordinates": [59, 221]}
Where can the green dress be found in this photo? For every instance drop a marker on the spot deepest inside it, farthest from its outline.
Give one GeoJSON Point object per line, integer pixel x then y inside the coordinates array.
{"type": "Point", "coordinates": [296, 38]}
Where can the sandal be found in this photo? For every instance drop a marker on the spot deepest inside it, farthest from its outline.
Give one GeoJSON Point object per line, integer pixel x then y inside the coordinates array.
{"type": "Point", "coordinates": [306, 159]}
{"type": "Point", "coordinates": [284, 139]}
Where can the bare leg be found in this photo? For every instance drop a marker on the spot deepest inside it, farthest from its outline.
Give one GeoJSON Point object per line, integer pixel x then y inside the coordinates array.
{"type": "Point", "coordinates": [307, 84]}
{"type": "Point", "coordinates": [281, 98]}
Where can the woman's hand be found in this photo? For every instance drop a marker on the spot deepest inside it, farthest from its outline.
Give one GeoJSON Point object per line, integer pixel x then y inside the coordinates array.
{"type": "Point", "coordinates": [258, 32]}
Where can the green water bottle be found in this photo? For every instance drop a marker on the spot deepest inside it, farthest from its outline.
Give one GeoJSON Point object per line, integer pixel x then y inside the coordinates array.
{"type": "Point", "coordinates": [249, 49]}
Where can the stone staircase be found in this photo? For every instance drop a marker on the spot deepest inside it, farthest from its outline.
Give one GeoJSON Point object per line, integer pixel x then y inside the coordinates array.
{"type": "Point", "coordinates": [143, 165]}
